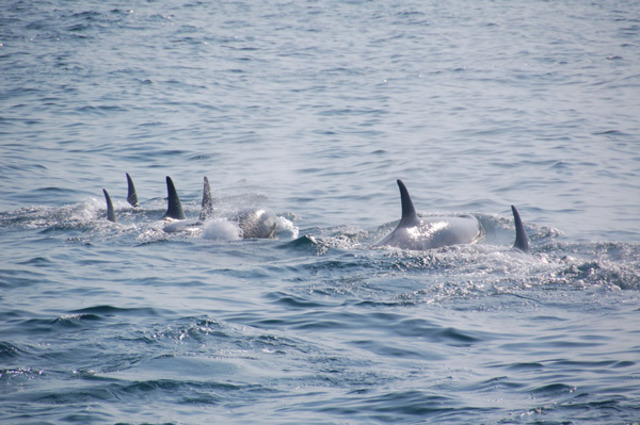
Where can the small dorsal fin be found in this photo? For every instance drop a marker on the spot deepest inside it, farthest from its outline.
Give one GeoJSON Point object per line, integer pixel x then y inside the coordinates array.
{"type": "Point", "coordinates": [111, 214]}
{"type": "Point", "coordinates": [207, 202]}
{"type": "Point", "coordinates": [174, 208]}
{"type": "Point", "coordinates": [409, 216]}
{"type": "Point", "coordinates": [132, 196]}
{"type": "Point", "coordinates": [522, 241]}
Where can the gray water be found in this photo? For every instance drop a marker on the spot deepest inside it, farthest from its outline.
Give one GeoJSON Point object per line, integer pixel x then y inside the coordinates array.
{"type": "Point", "coordinates": [312, 110]}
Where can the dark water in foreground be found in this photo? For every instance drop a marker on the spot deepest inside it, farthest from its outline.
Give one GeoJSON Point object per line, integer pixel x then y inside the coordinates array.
{"type": "Point", "coordinates": [312, 110]}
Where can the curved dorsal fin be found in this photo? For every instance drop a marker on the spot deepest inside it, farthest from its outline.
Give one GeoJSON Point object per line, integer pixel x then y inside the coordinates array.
{"type": "Point", "coordinates": [522, 241]}
{"type": "Point", "coordinates": [111, 214]}
{"type": "Point", "coordinates": [132, 196]}
{"type": "Point", "coordinates": [174, 208]}
{"type": "Point", "coordinates": [409, 216]}
{"type": "Point", "coordinates": [207, 202]}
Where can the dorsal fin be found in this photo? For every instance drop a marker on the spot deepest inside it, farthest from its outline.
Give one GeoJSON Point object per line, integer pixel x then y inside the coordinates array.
{"type": "Point", "coordinates": [132, 196]}
{"type": "Point", "coordinates": [409, 216]}
{"type": "Point", "coordinates": [207, 202]}
{"type": "Point", "coordinates": [111, 214]}
{"type": "Point", "coordinates": [174, 208]}
{"type": "Point", "coordinates": [522, 241]}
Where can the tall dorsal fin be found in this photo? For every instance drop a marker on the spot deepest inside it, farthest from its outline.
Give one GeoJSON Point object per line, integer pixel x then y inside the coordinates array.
{"type": "Point", "coordinates": [409, 216]}
{"type": "Point", "coordinates": [111, 214]}
{"type": "Point", "coordinates": [522, 241]}
{"type": "Point", "coordinates": [174, 208]}
{"type": "Point", "coordinates": [207, 202]}
{"type": "Point", "coordinates": [132, 196]}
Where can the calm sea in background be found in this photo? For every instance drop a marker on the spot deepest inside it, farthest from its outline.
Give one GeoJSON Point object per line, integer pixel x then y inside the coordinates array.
{"type": "Point", "coordinates": [312, 110]}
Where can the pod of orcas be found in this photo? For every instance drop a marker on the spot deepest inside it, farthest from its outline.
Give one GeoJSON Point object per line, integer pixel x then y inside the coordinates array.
{"type": "Point", "coordinates": [253, 222]}
{"type": "Point", "coordinates": [413, 232]}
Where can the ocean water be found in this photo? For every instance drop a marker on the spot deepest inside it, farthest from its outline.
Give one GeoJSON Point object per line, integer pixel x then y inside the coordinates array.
{"type": "Point", "coordinates": [312, 110]}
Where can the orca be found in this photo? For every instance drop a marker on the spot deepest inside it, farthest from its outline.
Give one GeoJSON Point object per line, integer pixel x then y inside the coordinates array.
{"type": "Point", "coordinates": [256, 223]}
{"type": "Point", "coordinates": [111, 214]}
{"type": "Point", "coordinates": [174, 207]}
{"type": "Point", "coordinates": [132, 196]}
{"type": "Point", "coordinates": [522, 241]}
{"type": "Point", "coordinates": [422, 233]}
{"type": "Point", "coordinates": [206, 210]}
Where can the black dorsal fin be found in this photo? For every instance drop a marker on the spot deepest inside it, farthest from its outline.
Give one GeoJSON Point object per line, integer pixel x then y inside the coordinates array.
{"type": "Point", "coordinates": [132, 196]}
{"type": "Point", "coordinates": [409, 216]}
{"type": "Point", "coordinates": [207, 202]}
{"type": "Point", "coordinates": [522, 241]}
{"type": "Point", "coordinates": [174, 208]}
{"type": "Point", "coordinates": [111, 214]}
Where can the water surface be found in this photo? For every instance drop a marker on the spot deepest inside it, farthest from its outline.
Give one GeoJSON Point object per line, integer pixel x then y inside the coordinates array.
{"type": "Point", "coordinates": [312, 110]}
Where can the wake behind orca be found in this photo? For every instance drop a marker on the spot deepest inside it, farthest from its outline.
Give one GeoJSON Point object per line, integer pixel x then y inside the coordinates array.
{"type": "Point", "coordinates": [425, 233]}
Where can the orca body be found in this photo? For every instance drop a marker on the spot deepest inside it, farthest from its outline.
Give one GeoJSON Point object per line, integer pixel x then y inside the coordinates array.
{"type": "Point", "coordinates": [435, 232]}
{"type": "Point", "coordinates": [256, 223]}
{"type": "Point", "coordinates": [422, 233]}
